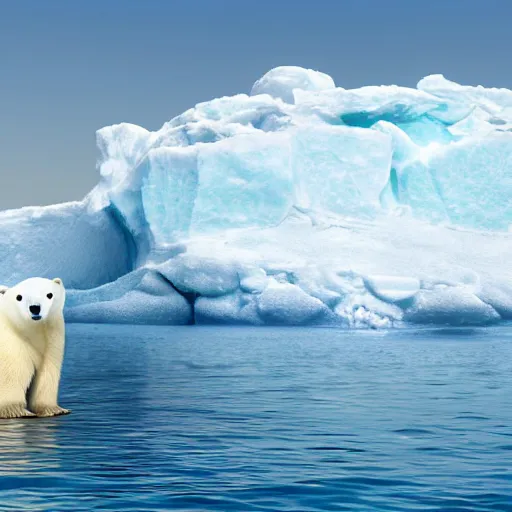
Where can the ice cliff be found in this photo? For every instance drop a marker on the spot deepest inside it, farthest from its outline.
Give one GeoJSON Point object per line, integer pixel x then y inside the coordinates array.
{"type": "Point", "coordinates": [301, 203]}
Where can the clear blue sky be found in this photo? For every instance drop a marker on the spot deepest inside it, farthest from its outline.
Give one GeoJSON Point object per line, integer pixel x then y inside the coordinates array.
{"type": "Point", "coordinates": [69, 67]}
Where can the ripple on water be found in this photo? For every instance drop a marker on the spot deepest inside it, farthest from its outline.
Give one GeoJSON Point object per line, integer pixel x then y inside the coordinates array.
{"type": "Point", "coordinates": [242, 419]}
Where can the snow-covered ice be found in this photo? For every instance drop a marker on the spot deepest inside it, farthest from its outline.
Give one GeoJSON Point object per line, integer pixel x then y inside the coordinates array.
{"type": "Point", "coordinates": [301, 203]}
{"type": "Point", "coordinates": [281, 82]}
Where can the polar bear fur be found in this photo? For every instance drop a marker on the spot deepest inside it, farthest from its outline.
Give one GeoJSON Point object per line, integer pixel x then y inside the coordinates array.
{"type": "Point", "coordinates": [32, 334]}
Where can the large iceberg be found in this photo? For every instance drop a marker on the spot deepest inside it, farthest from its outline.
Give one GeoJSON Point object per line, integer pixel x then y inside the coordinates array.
{"type": "Point", "coordinates": [301, 203]}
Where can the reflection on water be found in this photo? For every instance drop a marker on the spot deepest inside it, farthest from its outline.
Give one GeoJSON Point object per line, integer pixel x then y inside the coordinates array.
{"type": "Point", "coordinates": [28, 445]}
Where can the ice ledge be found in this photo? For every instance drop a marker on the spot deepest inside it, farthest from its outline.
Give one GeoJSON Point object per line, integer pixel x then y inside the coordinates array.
{"type": "Point", "coordinates": [349, 274]}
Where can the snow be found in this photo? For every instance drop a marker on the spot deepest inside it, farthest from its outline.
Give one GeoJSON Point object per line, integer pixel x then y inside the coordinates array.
{"type": "Point", "coordinates": [365, 106]}
{"type": "Point", "coordinates": [466, 97]}
{"type": "Point", "coordinates": [299, 204]}
{"type": "Point", "coordinates": [281, 82]}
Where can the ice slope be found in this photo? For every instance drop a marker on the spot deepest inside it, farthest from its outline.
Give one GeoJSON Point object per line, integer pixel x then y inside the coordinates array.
{"type": "Point", "coordinates": [84, 248]}
{"type": "Point", "coordinates": [141, 296]}
{"type": "Point", "coordinates": [302, 203]}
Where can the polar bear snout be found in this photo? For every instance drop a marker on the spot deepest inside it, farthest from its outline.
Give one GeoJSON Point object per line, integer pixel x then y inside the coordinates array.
{"type": "Point", "coordinates": [35, 309]}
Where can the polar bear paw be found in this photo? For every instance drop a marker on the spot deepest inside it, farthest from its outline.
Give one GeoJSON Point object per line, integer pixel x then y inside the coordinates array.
{"type": "Point", "coordinates": [46, 411]}
{"type": "Point", "coordinates": [14, 411]}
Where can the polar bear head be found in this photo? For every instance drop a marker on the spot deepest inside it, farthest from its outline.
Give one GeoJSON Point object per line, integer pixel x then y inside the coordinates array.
{"type": "Point", "coordinates": [34, 300]}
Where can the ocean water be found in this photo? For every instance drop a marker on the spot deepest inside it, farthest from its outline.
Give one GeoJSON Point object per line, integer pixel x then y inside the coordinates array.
{"type": "Point", "coordinates": [264, 419]}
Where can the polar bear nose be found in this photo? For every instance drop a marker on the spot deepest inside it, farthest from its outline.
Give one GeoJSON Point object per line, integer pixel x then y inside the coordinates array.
{"type": "Point", "coordinates": [35, 310]}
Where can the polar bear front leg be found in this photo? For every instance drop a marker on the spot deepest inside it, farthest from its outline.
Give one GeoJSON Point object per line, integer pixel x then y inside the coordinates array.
{"type": "Point", "coordinates": [45, 388]}
{"type": "Point", "coordinates": [44, 391]}
{"type": "Point", "coordinates": [14, 381]}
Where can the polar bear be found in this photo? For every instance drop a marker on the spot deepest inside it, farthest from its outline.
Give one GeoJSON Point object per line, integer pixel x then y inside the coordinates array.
{"type": "Point", "coordinates": [32, 333]}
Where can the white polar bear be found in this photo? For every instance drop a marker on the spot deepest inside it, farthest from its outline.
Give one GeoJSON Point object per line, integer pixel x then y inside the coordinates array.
{"type": "Point", "coordinates": [32, 333]}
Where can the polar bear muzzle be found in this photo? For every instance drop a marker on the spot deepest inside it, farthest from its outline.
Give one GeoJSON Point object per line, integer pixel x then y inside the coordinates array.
{"type": "Point", "coordinates": [35, 309]}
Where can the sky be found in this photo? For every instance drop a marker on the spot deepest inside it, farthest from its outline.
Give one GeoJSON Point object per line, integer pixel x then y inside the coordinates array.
{"type": "Point", "coordinates": [68, 68]}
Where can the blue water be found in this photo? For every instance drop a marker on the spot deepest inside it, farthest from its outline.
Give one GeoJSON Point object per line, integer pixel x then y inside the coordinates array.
{"type": "Point", "coordinates": [196, 418]}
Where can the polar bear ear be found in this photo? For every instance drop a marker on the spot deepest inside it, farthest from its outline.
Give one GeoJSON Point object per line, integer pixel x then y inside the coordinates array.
{"type": "Point", "coordinates": [58, 281]}
{"type": "Point", "coordinates": [3, 289]}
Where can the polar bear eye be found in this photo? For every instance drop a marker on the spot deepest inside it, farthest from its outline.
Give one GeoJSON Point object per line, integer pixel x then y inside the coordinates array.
{"type": "Point", "coordinates": [19, 298]}
{"type": "Point", "coordinates": [50, 295]}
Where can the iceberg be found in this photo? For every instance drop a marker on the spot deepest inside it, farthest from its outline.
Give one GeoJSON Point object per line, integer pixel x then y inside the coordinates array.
{"type": "Point", "coordinates": [301, 203]}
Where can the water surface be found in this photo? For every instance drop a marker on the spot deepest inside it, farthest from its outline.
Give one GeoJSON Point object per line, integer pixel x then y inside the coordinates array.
{"type": "Point", "coordinates": [264, 419]}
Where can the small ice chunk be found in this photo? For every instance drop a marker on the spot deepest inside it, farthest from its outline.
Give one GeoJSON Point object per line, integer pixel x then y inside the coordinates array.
{"type": "Point", "coordinates": [281, 81]}
{"type": "Point", "coordinates": [287, 304]}
{"type": "Point", "coordinates": [499, 296]}
{"type": "Point", "coordinates": [316, 282]}
{"type": "Point", "coordinates": [363, 310]}
{"type": "Point", "coordinates": [121, 146]}
{"type": "Point", "coordinates": [450, 306]}
{"type": "Point", "coordinates": [204, 276]}
{"type": "Point", "coordinates": [493, 100]}
{"type": "Point", "coordinates": [253, 280]}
